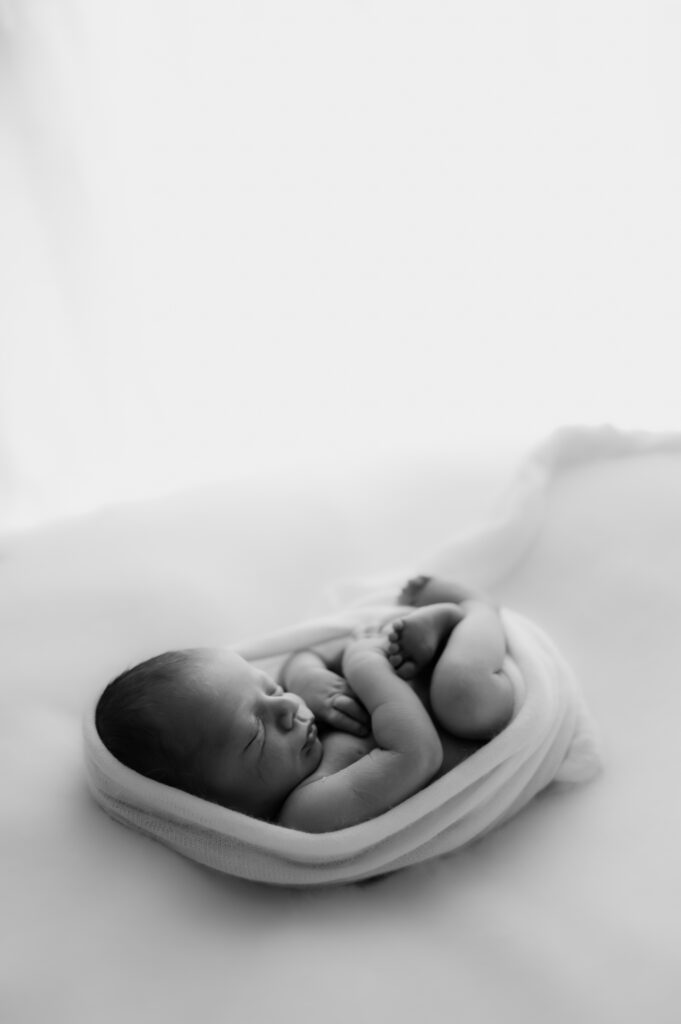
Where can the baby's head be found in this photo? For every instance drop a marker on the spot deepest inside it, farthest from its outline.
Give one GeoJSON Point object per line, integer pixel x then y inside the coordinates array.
{"type": "Point", "coordinates": [208, 722]}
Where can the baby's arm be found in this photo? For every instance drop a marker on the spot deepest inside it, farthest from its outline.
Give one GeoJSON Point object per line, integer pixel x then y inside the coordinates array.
{"type": "Point", "coordinates": [407, 755]}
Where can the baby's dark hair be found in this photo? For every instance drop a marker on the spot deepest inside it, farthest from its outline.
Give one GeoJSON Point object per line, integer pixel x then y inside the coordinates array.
{"type": "Point", "coordinates": [134, 725]}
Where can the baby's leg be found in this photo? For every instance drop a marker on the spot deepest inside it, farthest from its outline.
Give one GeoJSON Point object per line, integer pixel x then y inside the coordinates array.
{"type": "Point", "coordinates": [470, 694]}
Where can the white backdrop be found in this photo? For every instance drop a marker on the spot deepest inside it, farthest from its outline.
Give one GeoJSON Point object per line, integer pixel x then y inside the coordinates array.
{"type": "Point", "coordinates": [250, 234]}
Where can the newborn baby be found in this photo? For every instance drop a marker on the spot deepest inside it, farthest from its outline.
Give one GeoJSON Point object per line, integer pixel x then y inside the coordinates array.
{"type": "Point", "coordinates": [341, 736]}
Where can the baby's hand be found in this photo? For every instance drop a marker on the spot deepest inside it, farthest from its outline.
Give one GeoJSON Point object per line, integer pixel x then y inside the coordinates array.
{"type": "Point", "coordinates": [331, 700]}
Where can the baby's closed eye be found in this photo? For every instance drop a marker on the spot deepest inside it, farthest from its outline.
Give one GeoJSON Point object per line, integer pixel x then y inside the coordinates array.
{"type": "Point", "coordinates": [255, 740]}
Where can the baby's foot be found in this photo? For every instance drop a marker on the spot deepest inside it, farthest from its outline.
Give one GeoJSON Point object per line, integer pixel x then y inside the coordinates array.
{"type": "Point", "coordinates": [428, 590]}
{"type": "Point", "coordinates": [411, 590]}
{"type": "Point", "coordinates": [416, 641]}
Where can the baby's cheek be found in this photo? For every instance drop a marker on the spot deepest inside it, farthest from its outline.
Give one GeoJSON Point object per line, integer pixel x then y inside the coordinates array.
{"type": "Point", "coordinates": [317, 755]}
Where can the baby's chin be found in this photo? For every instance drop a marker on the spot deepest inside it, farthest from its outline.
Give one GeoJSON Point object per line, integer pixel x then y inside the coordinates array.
{"type": "Point", "coordinates": [314, 755]}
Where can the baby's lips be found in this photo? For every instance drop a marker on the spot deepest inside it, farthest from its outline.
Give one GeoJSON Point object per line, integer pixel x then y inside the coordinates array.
{"type": "Point", "coordinates": [311, 735]}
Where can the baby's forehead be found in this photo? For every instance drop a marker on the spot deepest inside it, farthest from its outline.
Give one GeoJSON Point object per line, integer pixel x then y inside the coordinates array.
{"type": "Point", "coordinates": [187, 688]}
{"type": "Point", "coordinates": [202, 667]}
{"type": "Point", "coordinates": [188, 708]}
{"type": "Point", "coordinates": [215, 700]}
{"type": "Point", "coordinates": [209, 660]}
{"type": "Point", "coordinates": [217, 676]}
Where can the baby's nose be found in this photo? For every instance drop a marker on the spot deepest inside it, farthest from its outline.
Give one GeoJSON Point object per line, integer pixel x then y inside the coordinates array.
{"type": "Point", "coordinates": [288, 707]}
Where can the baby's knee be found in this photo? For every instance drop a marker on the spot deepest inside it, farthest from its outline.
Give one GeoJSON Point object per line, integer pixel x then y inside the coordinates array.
{"type": "Point", "coordinates": [469, 704]}
{"type": "Point", "coordinates": [452, 696]}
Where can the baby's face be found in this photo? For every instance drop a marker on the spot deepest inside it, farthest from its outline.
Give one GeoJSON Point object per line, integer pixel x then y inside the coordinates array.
{"type": "Point", "coordinates": [259, 742]}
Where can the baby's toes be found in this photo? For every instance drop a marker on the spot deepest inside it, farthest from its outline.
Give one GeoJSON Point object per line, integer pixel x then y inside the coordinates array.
{"type": "Point", "coordinates": [406, 670]}
{"type": "Point", "coordinates": [395, 638]}
{"type": "Point", "coordinates": [395, 633]}
{"type": "Point", "coordinates": [402, 666]}
{"type": "Point", "coordinates": [395, 659]}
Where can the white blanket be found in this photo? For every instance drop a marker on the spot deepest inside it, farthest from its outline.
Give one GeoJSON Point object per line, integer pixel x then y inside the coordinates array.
{"type": "Point", "coordinates": [551, 736]}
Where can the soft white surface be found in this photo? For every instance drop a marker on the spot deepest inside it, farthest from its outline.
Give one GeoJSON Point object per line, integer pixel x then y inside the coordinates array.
{"type": "Point", "coordinates": [569, 912]}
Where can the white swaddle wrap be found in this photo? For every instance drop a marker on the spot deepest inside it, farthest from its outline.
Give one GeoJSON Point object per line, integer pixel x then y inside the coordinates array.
{"type": "Point", "coordinates": [550, 736]}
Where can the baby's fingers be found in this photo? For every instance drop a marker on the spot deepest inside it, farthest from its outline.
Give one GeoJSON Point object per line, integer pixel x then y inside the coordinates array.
{"type": "Point", "coordinates": [352, 707]}
{"type": "Point", "coordinates": [349, 715]}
